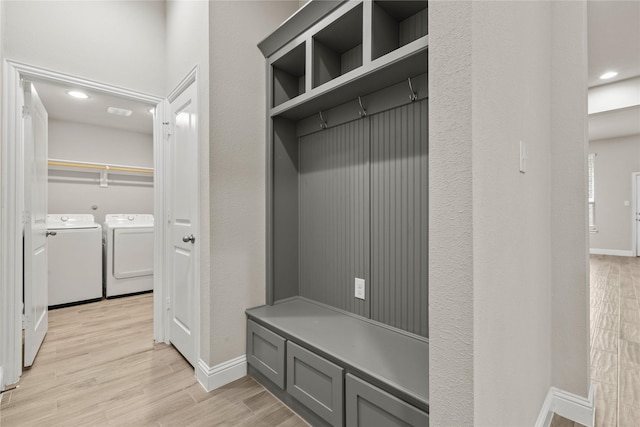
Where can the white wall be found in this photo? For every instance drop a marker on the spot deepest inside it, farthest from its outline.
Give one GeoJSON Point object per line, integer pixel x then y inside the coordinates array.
{"type": "Point", "coordinates": [451, 294]}
{"type": "Point", "coordinates": [494, 231]}
{"type": "Point", "coordinates": [2, 290]}
{"type": "Point", "coordinates": [616, 159]}
{"type": "Point", "coordinates": [237, 158]}
{"type": "Point", "coordinates": [511, 222]}
{"type": "Point", "coordinates": [77, 192]}
{"type": "Point", "coordinates": [187, 45]}
{"type": "Point", "coordinates": [156, 44]}
{"type": "Point", "coordinates": [115, 42]}
{"type": "Point", "coordinates": [569, 218]}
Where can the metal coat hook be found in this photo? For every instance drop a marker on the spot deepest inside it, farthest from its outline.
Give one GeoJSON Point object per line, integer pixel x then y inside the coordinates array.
{"type": "Point", "coordinates": [414, 96]}
{"type": "Point", "coordinates": [363, 111]}
{"type": "Point", "coordinates": [323, 122]}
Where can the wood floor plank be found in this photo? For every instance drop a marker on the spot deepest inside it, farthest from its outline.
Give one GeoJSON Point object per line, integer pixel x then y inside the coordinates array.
{"type": "Point", "coordinates": [99, 366]}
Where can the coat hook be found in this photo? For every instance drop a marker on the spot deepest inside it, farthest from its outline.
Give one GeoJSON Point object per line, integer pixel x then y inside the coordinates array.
{"type": "Point", "coordinates": [414, 96]}
{"type": "Point", "coordinates": [363, 111]}
{"type": "Point", "coordinates": [323, 122]}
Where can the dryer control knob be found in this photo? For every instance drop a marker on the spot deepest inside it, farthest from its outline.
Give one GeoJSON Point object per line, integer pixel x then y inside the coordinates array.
{"type": "Point", "coordinates": [131, 217]}
{"type": "Point", "coordinates": [64, 218]}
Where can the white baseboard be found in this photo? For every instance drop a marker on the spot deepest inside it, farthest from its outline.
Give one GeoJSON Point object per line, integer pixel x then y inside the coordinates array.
{"type": "Point", "coordinates": [213, 377]}
{"type": "Point", "coordinates": [568, 405]}
{"type": "Point", "coordinates": [2, 384]}
{"type": "Point", "coordinates": [613, 252]}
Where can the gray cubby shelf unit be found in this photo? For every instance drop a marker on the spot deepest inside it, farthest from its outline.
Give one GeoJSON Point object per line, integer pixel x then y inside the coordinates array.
{"type": "Point", "coordinates": [396, 24]}
{"type": "Point", "coordinates": [337, 48]}
{"type": "Point", "coordinates": [289, 75]}
{"type": "Point", "coordinates": [347, 179]}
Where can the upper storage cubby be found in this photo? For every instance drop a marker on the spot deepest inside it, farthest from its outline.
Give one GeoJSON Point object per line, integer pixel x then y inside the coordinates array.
{"type": "Point", "coordinates": [397, 23]}
{"type": "Point", "coordinates": [337, 48]}
{"type": "Point", "coordinates": [289, 75]}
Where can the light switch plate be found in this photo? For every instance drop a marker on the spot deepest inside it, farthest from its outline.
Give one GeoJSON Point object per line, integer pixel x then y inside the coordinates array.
{"type": "Point", "coordinates": [523, 157]}
{"type": "Point", "coordinates": [360, 285]}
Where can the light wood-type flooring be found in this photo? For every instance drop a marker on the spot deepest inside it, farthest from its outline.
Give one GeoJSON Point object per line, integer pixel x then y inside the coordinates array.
{"type": "Point", "coordinates": [615, 341]}
{"type": "Point", "coordinates": [99, 366]}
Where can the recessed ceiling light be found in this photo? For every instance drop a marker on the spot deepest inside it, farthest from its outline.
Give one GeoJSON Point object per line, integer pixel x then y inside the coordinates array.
{"type": "Point", "coordinates": [608, 75]}
{"type": "Point", "coordinates": [119, 111]}
{"type": "Point", "coordinates": [77, 94]}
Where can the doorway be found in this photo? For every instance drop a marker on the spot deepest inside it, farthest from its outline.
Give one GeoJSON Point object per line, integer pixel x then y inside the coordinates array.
{"type": "Point", "coordinates": [13, 156]}
{"type": "Point", "coordinates": [635, 213]}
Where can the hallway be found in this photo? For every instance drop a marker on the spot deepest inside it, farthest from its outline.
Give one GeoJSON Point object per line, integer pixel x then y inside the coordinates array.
{"type": "Point", "coordinates": [100, 366]}
{"type": "Point", "coordinates": [615, 339]}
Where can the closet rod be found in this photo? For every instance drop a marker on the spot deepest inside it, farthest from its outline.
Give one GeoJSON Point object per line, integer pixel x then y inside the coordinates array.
{"type": "Point", "coordinates": [85, 165]}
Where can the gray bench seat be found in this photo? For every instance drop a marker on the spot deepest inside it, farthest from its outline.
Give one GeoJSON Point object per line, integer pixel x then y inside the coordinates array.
{"type": "Point", "coordinates": [390, 359]}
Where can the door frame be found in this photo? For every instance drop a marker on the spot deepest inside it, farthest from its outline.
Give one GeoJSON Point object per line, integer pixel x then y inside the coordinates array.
{"type": "Point", "coordinates": [12, 203]}
{"type": "Point", "coordinates": [634, 209]}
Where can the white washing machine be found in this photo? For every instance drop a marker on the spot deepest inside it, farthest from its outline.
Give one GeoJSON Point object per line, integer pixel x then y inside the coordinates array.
{"type": "Point", "coordinates": [128, 254]}
{"type": "Point", "coordinates": [75, 259]}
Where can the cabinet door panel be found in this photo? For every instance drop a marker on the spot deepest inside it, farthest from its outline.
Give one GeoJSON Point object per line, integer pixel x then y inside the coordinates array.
{"type": "Point", "coordinates": [316, 383]}
{"type": "Point", "coordinates": [369, 406]}
{"type": "Point", "coordinates": [266, 352]}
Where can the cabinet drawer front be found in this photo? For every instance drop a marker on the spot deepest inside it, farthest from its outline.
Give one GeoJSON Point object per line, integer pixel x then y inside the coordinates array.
{"type": "Point", "coordinates": [368, 406]}
{"type": "Point", "coordinates": [266, 352]}
{"type": "Point", "coordinates": [316, 383]}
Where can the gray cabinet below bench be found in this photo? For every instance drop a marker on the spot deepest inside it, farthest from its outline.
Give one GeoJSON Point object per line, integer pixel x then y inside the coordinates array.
{"type": "Point", "coordinates": [316, 383]}
{"type": "Point", "coordinates": [265, 352]}
{"type": "Point", "coordinates": [305, 361]}
{"type": "Point", "coordinates": [368, 406]}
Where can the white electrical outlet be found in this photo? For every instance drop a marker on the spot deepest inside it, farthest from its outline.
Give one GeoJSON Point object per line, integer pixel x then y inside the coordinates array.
{"type": "Point", "coordinates": [359, 288]}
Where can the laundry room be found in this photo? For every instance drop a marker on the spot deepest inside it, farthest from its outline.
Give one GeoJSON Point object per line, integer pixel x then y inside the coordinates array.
{"type": "Point", "coordinates": [100, 193]}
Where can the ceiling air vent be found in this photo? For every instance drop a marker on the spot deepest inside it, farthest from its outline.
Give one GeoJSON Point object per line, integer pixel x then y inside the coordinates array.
{"type": "Point", "coordinates": [119, 111]}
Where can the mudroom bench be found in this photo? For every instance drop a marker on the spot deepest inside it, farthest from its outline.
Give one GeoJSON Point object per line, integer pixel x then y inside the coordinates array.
{"type": "Point", "coordinates": [336, 368]}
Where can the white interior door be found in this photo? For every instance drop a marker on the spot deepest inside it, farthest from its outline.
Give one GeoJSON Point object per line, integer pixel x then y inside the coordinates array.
{"type": "Point", "coordinates": [183, 211]}
{"type": "Point", "coordinates": [35, 232]}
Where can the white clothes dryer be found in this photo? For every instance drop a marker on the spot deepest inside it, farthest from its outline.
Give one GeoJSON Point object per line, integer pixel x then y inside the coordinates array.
{"type": "Point", "coordinates": [75, 259]}
{"type": "Point", "coordinates": [128, 254]}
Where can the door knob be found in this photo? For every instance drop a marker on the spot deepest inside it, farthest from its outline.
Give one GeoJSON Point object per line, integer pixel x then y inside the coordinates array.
{"type": "Point", "coordinates": [191, 239]}
{"type": "Point", "coordinates": [50, 233]}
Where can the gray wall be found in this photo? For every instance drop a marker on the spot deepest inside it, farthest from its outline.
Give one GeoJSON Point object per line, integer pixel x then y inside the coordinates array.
{"type": "Point", "coordinates": [616, 159]}
{"type": "Point", "coordinates": [77, 191]}
{"type": "Point", "coordinates": [363, 213]}
{"type": "Point", "coordinates": [507, 251]}
{"type": "Point", "coordinates": [399, 217]}
{"type": "Point", "coordinates": [237, 165]}
{"type": "Point", "coordinates": [334, 234]}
